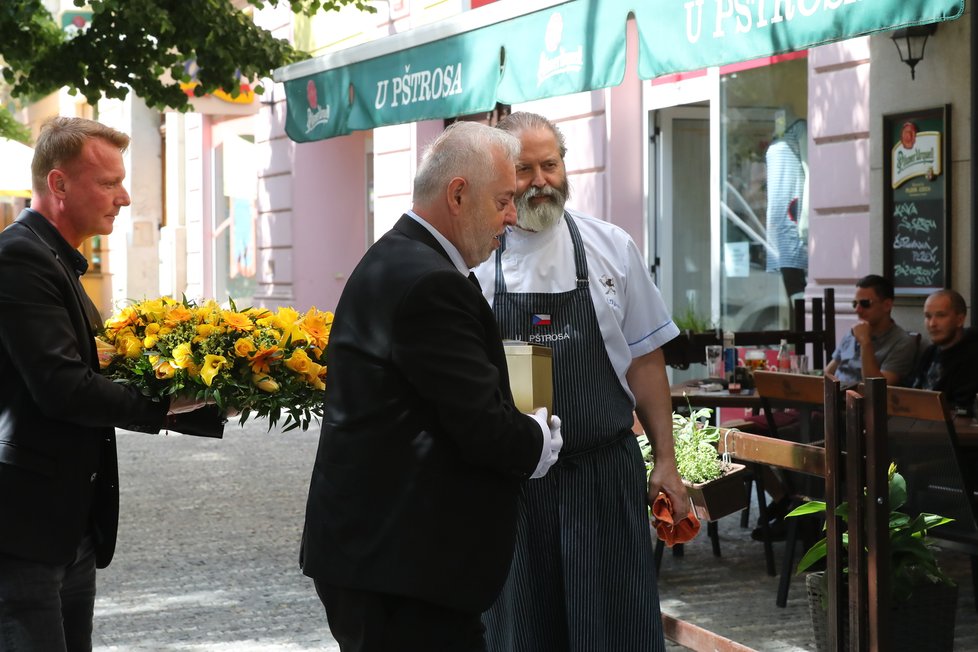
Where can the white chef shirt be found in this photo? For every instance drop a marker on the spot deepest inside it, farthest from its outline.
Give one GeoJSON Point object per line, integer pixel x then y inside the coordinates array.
{"type": "Point", "coordinates": [631, 314]}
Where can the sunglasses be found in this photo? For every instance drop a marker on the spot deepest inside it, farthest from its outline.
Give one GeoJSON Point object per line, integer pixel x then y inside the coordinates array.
{"type": "Point", "coordinates": [862, 303]}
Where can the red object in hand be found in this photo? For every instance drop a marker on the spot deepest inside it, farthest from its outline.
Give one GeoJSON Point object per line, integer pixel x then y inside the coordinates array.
{"type": "Point", "coordinates": [665, 526]}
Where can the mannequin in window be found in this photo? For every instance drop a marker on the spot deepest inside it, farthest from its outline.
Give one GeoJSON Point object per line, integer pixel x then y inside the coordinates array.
{"type": "Point", "coordinates": [787, 203]}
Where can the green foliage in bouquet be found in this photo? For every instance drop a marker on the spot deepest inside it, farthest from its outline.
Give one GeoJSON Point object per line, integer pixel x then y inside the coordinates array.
{"type": "Point", "coordinates": [253, 361]}
{"type": "Point", "coordinates": [912, 559]}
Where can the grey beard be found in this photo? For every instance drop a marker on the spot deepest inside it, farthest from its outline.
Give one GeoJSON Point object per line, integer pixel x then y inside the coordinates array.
{"type": "Point", "coordinates": [544, 216]}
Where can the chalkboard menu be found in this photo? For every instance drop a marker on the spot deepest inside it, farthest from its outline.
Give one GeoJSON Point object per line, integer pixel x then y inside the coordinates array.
{"type": "Point", "coordinates": [916, 229]}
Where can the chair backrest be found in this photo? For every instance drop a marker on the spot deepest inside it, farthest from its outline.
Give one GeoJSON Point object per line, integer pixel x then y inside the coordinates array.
{"type": "Point", "coordinates": [688, 348]}
{"type": "Point", "coordinates": [924, 445]}
{"type": "Point", "coordinates": [806, 394]}
{"type": "Point", "coordinates": [916, 351]}
{"type": "Point", "coordinates": [821, 334]}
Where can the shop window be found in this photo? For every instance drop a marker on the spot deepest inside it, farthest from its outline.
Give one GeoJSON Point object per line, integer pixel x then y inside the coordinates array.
{"type": "Point", "coordinates": [764, 193]}
{"type": "Point", "coordinates": [235, 215]}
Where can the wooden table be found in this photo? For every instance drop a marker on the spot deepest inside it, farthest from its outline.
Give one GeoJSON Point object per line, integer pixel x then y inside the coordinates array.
{"type": "Point", "coordinates": [692, 392]}
{"type": "Point", "coordinates": [966, 430]}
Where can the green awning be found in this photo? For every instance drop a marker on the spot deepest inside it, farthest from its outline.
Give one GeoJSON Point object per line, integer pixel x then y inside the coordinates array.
{"type": "Point", "coordinates": [695, 34]}
{"type": "Point", "coordinates": [515, 51]}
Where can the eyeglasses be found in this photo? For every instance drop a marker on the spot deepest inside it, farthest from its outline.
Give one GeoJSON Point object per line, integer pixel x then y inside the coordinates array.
{"type": "Point", "coordinates": [862, 303]}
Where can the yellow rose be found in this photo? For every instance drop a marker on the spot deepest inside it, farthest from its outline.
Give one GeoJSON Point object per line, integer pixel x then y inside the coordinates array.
{"type": "Point", "coordinates": [212, 365]}
{"type": "Point", "coordinates": [183, 357]}
{"type": "Point", "coordinates": [130, 346]}
{"type": "Point", "coordinates": [151, 335]}
{"type": "Point", "coordinates": [299, 362]}
{"type": "Point", "coordinates": [244, 347]}
{"type": "Point", "coordinates": [128, 316]}
{"type": "Point", "coordinates": [264, 383]}
{"type": "Point", "coordinates": [164, 370]}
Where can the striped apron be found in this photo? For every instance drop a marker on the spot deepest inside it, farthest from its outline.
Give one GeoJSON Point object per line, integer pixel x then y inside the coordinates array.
{"type": "Point", "coordinates": [583, 576]}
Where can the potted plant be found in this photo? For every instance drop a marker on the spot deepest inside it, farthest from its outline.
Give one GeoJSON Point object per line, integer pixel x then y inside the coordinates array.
{"type": "Point", "coordinates": [695, 333]}
{"type": "Point", "coordinates": [714, 483]}
{"type": "Point", "coordinates": [922, 597]}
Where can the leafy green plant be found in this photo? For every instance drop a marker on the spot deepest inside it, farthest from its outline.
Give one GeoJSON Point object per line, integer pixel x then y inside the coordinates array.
{"type": "Point", "coordinates": [688, 320]}
{"type": "Point", "coordinates": [912, 559]}
{"type": "Point", "coordinates": [697, 459]}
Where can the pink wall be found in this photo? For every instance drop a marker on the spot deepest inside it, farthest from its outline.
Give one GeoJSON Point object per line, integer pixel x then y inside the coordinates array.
{"type": "Point", "coordinates": [329, 217]}
{"type": "Point", "coordinates": [838, 156]}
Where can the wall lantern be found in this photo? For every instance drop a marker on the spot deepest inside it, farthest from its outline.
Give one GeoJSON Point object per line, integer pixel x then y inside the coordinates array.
{"type": "Point", "coordinates": [910, 43]}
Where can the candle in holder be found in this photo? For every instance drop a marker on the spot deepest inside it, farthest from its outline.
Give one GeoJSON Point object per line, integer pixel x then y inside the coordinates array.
{"type": "Point", "coordinates": [530, 376]}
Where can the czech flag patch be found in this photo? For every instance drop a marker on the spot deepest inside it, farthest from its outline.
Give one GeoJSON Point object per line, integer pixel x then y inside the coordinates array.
{"type": "Point", "coordinates": [541, 320]}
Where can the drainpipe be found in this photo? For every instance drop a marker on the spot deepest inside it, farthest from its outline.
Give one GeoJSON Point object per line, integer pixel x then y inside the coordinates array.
{"type": "Point", "coordinates": [974, 163]}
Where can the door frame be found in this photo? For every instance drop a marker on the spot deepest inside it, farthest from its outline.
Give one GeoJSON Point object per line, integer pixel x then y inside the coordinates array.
{"type": "Point", "coordinates": [668, 98]}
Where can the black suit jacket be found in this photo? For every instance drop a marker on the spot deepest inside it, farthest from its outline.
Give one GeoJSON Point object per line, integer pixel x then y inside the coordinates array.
{"type": "Point", "coordinates": [422, 452]}
{"type": "Point", "coordinates": [58, 471]}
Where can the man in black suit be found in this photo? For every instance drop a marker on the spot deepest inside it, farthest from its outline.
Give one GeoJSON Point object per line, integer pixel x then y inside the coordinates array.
{"type": "Point", "coordinates": [412, 505]}
{"type": "Point", "coordinates": [59, 495]}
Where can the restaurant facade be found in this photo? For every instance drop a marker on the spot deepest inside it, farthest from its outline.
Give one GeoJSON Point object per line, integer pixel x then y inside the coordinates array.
{"type": "Point", "coordinates": [750, 149]}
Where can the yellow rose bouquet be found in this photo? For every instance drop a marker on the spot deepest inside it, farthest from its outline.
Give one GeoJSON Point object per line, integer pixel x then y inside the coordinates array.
{"type": "Point", "coordinates": [254, 361]}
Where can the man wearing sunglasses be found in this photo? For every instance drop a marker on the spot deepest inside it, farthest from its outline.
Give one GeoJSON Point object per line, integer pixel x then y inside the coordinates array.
{"type": "Point", "coordinates": [875, 346]}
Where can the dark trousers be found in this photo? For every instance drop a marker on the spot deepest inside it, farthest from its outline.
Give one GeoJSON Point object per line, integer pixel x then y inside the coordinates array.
{"type": "Point", "coordinates": [46, 608]}
{"type": "Point", "coordinates": [364, 621]}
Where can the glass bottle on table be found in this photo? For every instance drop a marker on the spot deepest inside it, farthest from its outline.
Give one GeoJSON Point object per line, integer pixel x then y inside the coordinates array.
{"type": "Point", "coordinates": [784, 357]}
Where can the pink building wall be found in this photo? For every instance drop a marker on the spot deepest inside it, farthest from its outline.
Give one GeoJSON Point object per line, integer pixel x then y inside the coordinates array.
{"type": "Point", "coordinates": [838, 155]}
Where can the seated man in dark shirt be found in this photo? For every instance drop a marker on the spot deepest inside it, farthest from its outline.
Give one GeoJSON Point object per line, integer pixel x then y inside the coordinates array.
{"type": "Point", "coordinates": [950, 363]}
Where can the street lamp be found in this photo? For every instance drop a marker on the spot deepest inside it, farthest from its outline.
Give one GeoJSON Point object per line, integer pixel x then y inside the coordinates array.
{"type": "Point", "coordinates": [910, 43]}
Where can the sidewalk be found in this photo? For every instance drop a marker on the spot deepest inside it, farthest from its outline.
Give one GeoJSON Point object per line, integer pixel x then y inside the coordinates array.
{"type": "Point", "coordinates": [734, 597]}
{"type": "Point", "coordinates": [207, 559]}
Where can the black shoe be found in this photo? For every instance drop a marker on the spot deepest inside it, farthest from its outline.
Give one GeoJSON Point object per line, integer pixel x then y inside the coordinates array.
{"type": "Point", "coordinates": [777, 510]}
{"type": "Point", "coordinates": [777, 531]}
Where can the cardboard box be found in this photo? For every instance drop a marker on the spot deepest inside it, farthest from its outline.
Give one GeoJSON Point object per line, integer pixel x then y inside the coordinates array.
{"type": "Point", "coordinates": [531, 375]}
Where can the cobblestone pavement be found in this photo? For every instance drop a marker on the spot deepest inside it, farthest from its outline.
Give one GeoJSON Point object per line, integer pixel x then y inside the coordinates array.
{"type": "Point", "coordinates": [208, 547]}
{"type": "Point", "coordinates": [207, 559]}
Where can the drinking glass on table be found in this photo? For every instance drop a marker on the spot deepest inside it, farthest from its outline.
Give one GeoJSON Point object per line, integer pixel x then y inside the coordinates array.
{"type": "Point", "coordinates": [714, 361]}
{"type": "Point", "coordinates": [799, 364]}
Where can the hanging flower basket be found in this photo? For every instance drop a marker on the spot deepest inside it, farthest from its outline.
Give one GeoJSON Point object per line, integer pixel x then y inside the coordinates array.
{"type": "Point", "coordinates": [715, 499]}
{"type": "Point", "coordinates": [715, 484]}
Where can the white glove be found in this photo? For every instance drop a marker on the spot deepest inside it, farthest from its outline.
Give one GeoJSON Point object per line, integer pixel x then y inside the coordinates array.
{"type": "Point", "coordinates": [552, 441]}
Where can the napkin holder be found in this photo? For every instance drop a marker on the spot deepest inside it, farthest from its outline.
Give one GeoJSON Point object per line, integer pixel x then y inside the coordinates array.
{"type": "Point", "coordinates": [531, 376]}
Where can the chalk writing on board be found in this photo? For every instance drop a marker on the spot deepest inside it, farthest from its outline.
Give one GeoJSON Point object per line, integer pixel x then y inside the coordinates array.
{"type": "Point", "coordinates": [917, 274]}
{"type": "Point", "coordinates": [916, 245]}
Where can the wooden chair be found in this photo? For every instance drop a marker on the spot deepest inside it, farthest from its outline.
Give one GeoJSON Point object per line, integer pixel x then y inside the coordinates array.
{"type": "Point", "coordinates": [801, 398]}
{"type": "Point", "coordinates": [821, 334]}
{"type": "Point", "coordinates": [923, 443]}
